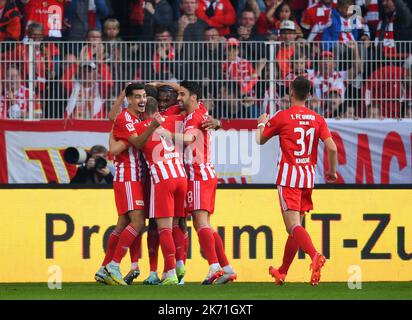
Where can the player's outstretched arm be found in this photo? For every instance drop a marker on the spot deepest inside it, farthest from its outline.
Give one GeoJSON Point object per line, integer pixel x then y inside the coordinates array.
{"type": "Point", "coordinates": [116, 107]}
{"type": "Point", "coordinates": [262, 120]}
{"type": "Point", "coordinates": [116, 147]}
{"type": "Point", "coordinates": [332, 151]}
{"type": "Point", "coordinates": [138, 141]}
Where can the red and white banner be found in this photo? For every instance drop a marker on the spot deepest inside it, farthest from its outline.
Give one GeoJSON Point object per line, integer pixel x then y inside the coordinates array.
{"type": "Point", "coordinates": [370, 151]}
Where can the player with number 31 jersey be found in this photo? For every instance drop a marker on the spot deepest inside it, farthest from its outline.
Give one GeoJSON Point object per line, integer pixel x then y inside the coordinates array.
{"type": "Point", "coordinates": [299, 130]}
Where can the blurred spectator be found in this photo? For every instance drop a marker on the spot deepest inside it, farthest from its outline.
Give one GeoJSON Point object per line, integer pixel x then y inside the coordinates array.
{"type": "Point", "coordinates": [94, 50]}
{"type": "Point", "coordinates": [111, 30]}
{"type": "Point", "coordinates": [246, 27]}
{"type": "Point", "coordinates": [98, 12]}
{"type": "Point", "coordinates": [317, 18]}
{"type": "Point", "coordinates": [268, 23]}
{"type": "Point", "coordinates": [333, 104]}
{"type": "Point", "coordinates": [344, 28]}
{"type": "Point", "coordinates": [329, 77]}
{"type": "Point", "coordinates": [49, 14]}
{"type": "Point", "coordinates": [286, 50]}
{"type": "Point", "coordinates": [161, 57]}
{"type": "Point", "coordinates": [231, 105]}
{"type": "Point", "coordinates": [87, 88]}
{"type": "Point", "coordinates": [211, 72]}
{"type": "Point", "coordinates": [157, 14]}
{"type": "Point", "coordinates": [395, 21]}
{"type": "Point", "coordinates": [241, 70]}
{"type": "Point", "coordinates": [384, 91]}
{"type": "Point", "coordinates": [166, 97]}
{"type": "Point", "coordinates": [371, 13]}
{"type": "Point", "coordinates": [15, 98]}
{"type": "Point", "coordinates": [10, 21]}
{"type": "Point", "coordinates": [92, 171]}
{"type": "Point", "coordinates": [189, 27]}
{"type": "Point", "coordinates": [219, 14]}
{"type": "Point", "coordinates": [83, 15]}
{"type": "Point", "coordinates": [46, 56]}
{"type": "Point", "coordinates": [76, 20]}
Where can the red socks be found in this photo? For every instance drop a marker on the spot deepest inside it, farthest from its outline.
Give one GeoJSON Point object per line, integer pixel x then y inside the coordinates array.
{"type": "Point", "coordinates": [111, 247]}
{"type": "Point", "coordinates": [291, 247]}
{"type": "Point", "coordinates": [220, 250]}
{"type": "Point", "coordinates": [153, 247]}
{"type": "Point", "coordinates": [302, 238]}
{"type": "Point", "coordinates": [136, 249]}
{"type": "Point", "coordinates": [126, 239]}
{"type": "Point", "coordinates": [168, 247]}
{"type": "Point", "coordinates": [207, 244]}
{"type": "Point", "coordinates": [179, 239]}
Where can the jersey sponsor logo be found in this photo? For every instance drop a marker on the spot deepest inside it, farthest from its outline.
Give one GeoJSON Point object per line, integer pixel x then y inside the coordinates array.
{"type": "Point", "coordinates": [130, 126]}
{"type": "Point", "coordinates": [139, 202]}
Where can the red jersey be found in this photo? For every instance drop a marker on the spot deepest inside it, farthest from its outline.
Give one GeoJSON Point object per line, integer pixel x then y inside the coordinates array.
{"type": "Point", "coordinates": [48, 13]}
{"type": "Point", "coordinates": [198, 158]}
{"type": "Point", "coordinates": [316, 18]}
{"type": "Point", "coordinates": [176, 109]}
{"type": "Point", "coordinates": [299, 131]}
{"type": "Point", "coordinates": [172, 110]}
{"type": "Point", "coordinates": [127, 164]}
{"type": "Point", "coordinates": [163, 157]}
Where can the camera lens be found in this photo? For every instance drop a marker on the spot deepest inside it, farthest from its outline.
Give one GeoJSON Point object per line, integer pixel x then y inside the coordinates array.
{"type": "Point", "coordinates": [100, 163]}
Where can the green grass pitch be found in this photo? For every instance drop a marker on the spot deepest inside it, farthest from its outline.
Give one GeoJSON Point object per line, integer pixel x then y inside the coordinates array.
{"type": "Point", "coordinates": [194, 291]}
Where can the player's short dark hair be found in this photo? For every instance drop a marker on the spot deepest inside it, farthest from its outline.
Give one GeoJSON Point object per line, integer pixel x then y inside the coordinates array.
{"type": "Point", "coordinates": [133, 86]}
{"type": "Point", "coordinates": [192, 87]}
{"type": "Point", "coordinates": [167, 89]}
{"type": "Point", "coordinates": [151, 91]}
{"type": "Point", "coordinates": [301, 87]}
{"type": "Point", "coordinates": [152, 105]}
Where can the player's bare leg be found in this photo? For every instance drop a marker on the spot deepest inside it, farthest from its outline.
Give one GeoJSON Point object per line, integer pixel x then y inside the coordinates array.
{"type": "Point", "coordinates": [127, 237]}
{"type": "Point", "coordinates": [179, 239]}
{"type": "Point", "coordinates": [301, 237]}
{"type": "Point", "coordinates": [291, 248]}
{"type": "Point", "coordinates": [165, 225]}
{"type": "Point", "coordinates": [229, 273]}
{"type": "Point", "coordinates": [102, 275]}
{"type": "Point", "coordinates": [153, 249]}
{"type": "Point", "coordinates": [207, 244]}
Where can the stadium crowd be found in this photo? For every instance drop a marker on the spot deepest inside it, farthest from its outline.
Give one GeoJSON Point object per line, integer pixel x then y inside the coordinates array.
{"type": "Point", "coordinates": [85, 51]}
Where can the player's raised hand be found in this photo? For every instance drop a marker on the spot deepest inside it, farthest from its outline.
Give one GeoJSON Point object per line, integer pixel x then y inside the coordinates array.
{"type": "Point", "coordinates": [264, 118]}
{"type": "Point", "coordinates": [331, 177]}
{"type": "Point", "coordinates": [158, 119]}
{"type": "Point", "coordinates": [211, 124]}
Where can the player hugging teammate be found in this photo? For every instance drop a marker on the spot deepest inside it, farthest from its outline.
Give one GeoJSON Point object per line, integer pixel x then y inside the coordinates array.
{"type": "Point", "coordinates": [175, 145]}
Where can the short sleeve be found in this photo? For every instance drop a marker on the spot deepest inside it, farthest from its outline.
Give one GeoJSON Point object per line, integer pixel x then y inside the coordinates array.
{"type": "Point", "coordinates": [123, 129]}
{"type": "Point", "coordinates": [192, 125]}
{"type": "Point", "coordinates": [272, 127]}
{"type": "Point", "coordinates": [324, 132]}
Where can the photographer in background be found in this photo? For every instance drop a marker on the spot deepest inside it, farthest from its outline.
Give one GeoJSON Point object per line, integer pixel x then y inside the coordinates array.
{"type": "Point", "coordinates": [95, 170]}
